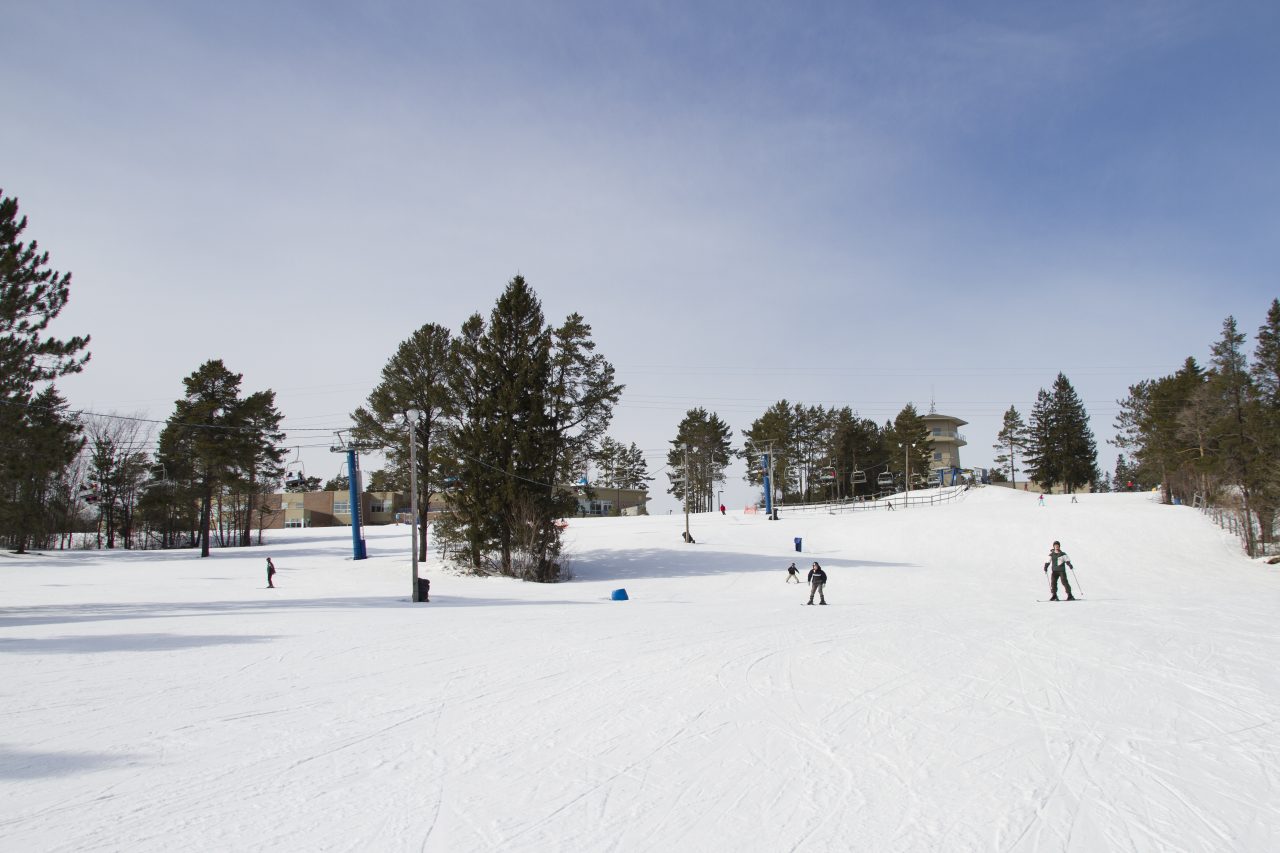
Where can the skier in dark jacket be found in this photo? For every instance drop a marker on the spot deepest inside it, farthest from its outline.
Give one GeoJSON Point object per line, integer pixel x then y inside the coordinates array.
{"type": "Point", "coordinates": [271, 573]}
{"type": "Point", "coordinates": [1060, 562]}
{"type": "Point", "coordinates": [793, 574]}
{"type": "Point", "coordinates": [817, 582]}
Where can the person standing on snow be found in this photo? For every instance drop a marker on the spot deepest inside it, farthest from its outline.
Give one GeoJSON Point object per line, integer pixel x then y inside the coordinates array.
{"type": "Point", "coordinates": [271, 573]}
{"type": "Point", "coordinates": [793, 574]}
{"type": "Point", "coordinates": [1060, 561]}
{"type": "Point", "coordinates": [817, 583]}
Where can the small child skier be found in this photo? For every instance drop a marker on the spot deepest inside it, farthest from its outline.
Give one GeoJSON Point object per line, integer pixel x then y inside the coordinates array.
{"type": "Point", "coordinates": [793, 574]}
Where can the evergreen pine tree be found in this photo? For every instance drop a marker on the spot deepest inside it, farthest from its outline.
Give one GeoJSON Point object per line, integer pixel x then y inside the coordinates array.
{"type": "Point", "coordinates": [1079, 465]}
{"type": "Point", "coordinates": [1011, 441]}
{"type": "Point", "coordinates": [702, 443]}
{"type": "Point", "coordinates": [1062, 448]}
{"type": "Point", "coordinates": [216, 445]}
{"type": "Point", "coordinates": [529, 401]}
{"type": "Point", "coordinates": [909, 446]}
{"type": "Point", "coordinates": [37, 427]}
{"type": "Point", "coordinates": [1041, 462]}
{"type": "Point", "coordinates": [774, 430]}
{"type": "Point", "coordinates": [45, 441]}
{"type": "Point", "coordinates": [415, 378]}
{"type": "Point", "coordinates": [856, 445]}
{"type": "Point", "coordinates": [1266, 422]}
{"type": "Point", "coordinates": [1237, 453]}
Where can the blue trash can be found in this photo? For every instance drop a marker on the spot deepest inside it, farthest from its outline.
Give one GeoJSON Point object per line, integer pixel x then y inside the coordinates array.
{"type": "Point", "coordinates": [619, 595]}
{"type": "Point", "coordinates": [798, 540]}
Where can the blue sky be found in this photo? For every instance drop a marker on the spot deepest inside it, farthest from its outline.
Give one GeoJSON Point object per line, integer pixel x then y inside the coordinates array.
{"type": "Point", "coordinates": [843, 204]}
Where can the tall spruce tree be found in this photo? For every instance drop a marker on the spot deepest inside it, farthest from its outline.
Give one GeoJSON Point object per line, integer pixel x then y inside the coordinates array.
{"type": "Point", "coordinates": [470, 481]}
{"type": "Point", "coordinates": [698, 457]}
{"type": "Point", "coordinates": [415, 378]}
{"type": "Point", "coordinates": [38, 429]}
{"type": "Point", "coordinates": [1266, 422]}
{"type": "Point", "coordinates": [530, 400]}
{"type": "Point", "coordinates": [515, 367]}
{"type": "Point", "coordinates": [1237, 454]}
{"type": "Point", "coordinates": [1040, 461]}
{"type": "Point", "coordinates": [1062, 448]}
{"type": "Point", "coordinates": [1075, 438]}
{"type": "Point", "coordinates": [580, 399]}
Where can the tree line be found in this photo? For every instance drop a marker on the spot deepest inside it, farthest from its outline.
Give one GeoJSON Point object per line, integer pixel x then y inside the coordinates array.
{"type": "Point", "coordinates": [821, 453]}
{"type": "Point", "coordinates": [1212, 432]}
{"type": "Point", "coordinates": [816, 453]}
{"type": "Point", "coordinates": [510, 415]}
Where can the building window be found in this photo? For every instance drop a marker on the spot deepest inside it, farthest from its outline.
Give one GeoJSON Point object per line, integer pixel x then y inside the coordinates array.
{"type": "Point", "coordinates": [341, 507]}
{"type": "Point", "coordinates": [377, 506]}
{"type": "Point", "coordinates": [293, 522]}
{"type": "Point", "coordinates": [937, 456]}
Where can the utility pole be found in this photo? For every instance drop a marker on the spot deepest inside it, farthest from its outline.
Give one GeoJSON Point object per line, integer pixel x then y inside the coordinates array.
{"type": "Point", "coordinates": [688, 485]}
{"type": "Point", "coordinates": [617, 493]}
{"type": "Point", "coordinates": [906, 501]}
{"type": "Point", "coordinates": [773, 512]}
{"type": "Point", "coordinates": [412, 416]}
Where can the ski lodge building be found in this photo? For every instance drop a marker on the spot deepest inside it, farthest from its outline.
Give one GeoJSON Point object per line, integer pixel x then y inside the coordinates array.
{"type": "Point", "coordinates": [946, 438]}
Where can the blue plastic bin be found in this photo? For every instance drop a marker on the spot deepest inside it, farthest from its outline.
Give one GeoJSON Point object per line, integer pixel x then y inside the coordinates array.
{"type": "Point", "coordinates": [619, 595]}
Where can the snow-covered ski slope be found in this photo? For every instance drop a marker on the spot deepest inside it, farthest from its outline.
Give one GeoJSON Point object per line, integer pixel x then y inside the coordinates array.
{"type": "Point", "coordinates": [158, 702]}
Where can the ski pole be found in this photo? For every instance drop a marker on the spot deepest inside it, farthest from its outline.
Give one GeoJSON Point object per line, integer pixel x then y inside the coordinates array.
{"type": "Point", "coordinates": [1077, 577]}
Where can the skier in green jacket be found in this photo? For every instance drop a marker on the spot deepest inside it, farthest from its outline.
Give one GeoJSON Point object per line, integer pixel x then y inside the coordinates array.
{"type": "Point", "coordinates": [1060, 562]}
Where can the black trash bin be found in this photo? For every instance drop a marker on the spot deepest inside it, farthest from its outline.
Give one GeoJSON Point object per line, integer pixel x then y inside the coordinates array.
{"type": "Point", "coordinates": [424, 589]}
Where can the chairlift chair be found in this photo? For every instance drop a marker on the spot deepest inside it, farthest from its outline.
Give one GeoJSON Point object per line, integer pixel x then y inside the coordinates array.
{"type": "Point", "coordinates": [884, 480]}
{"type": "Point", "coordinates": [859, 476]}
{"type": "Point", "coordinates": [158, 477]}
{"type": "Point", "coordinates": [295, 471]}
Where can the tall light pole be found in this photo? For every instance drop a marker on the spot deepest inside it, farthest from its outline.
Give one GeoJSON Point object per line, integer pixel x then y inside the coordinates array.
{"type": "Point", "coordinates": [412, 416]}
{"type": "Point", "coordinates": [906, 460]}
{"type": "Point", "coordinates": [687, 485]}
